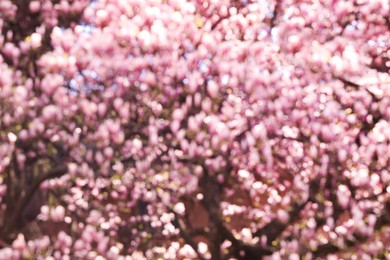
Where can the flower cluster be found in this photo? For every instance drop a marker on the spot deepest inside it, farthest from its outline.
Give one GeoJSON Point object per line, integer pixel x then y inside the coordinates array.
{"type": "Point", "coordinates": [186, 129]}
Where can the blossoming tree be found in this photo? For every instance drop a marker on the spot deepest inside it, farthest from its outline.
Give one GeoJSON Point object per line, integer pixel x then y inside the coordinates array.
{"type": "Point", "coordinates": [173, 129]}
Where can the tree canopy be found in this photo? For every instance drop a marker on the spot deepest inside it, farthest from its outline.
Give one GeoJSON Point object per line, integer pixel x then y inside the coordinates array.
{"type": "Point", "coordinates": [174, 129]}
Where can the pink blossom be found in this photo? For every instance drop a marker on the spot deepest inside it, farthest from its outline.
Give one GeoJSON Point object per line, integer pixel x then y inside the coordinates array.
{"type": "Point", "coordinates": [50, 83]}
{"type": "Point", "coordinates": [19, 243]}
{"type": "Point", "coordinates": [178, 114]}
{"type": "Point", "coordinates": [36, 40]}
{"type": "Point", "coordinates": [57, 213]}
{"type": "Point", "coordinates": [51, 113]}
{"type": "Point", "coordinates": [179, 208]}
{"type": "Point", "coordinates": [175, 126]}
{"type": "Point", "coordinates": [34, 6]}
{"type": "Point", "coordinates": [212, 88]}
{"type": "Point", "coordinates": [259, 131]}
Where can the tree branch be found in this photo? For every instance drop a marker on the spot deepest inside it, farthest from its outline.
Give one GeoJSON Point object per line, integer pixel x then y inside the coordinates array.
{"type": "Point", "coordinates": [329, 248]}
{"type": "Point", "coordinates": [211, 203]}
{"type": "Point", "coordinates": [272, 23]}
{"type": "Point", "coordinates": [14, 217]}
{"type": "Point", "coordinates": [187, 236]}
{"type": "Point", "coordinates": [275, 228]}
